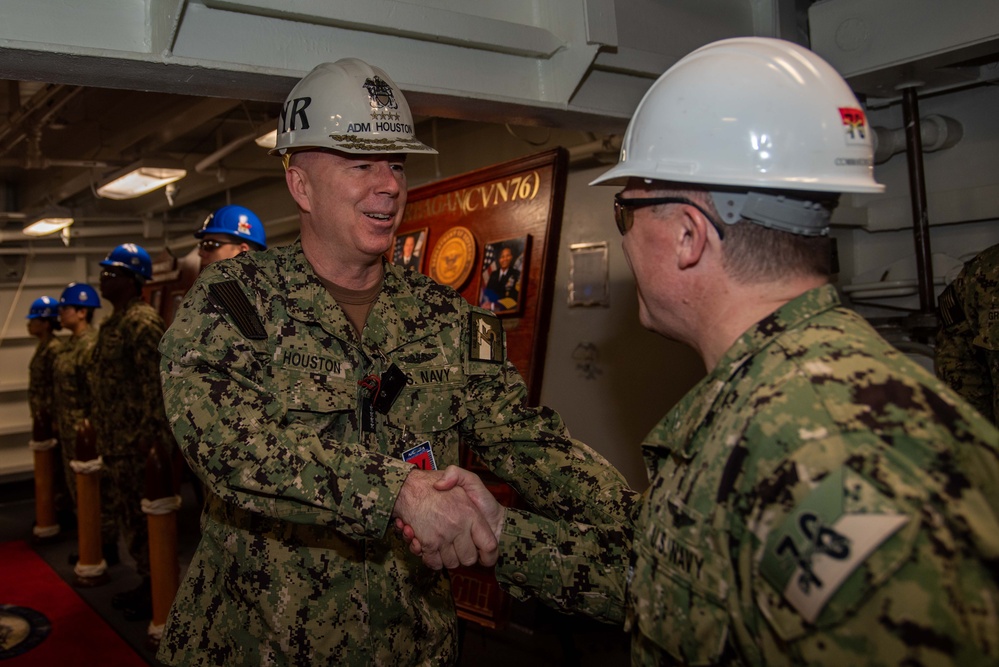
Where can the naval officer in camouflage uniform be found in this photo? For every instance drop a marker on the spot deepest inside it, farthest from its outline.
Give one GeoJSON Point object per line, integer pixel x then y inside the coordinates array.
{"type": "Point", "coordinates": [315, 388]}
{"type": "Point", "coordinates": [128, 412]}
{"type": "Point", "coordinates": [71, 371]}
{"type": "Point", "coordinates": [967, 352]}
{"type": "Point", "coordinates": [817, 498]}
{"type": "Point", "coordinates": [43, 322]}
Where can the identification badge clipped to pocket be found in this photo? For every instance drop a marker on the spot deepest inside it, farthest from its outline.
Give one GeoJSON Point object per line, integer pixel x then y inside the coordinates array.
{"type": "Point", "coordinates": [421, 456]}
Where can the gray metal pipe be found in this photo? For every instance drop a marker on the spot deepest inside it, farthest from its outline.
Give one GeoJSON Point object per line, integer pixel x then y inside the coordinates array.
{"type": "Point", "coordinates": [917, 194]}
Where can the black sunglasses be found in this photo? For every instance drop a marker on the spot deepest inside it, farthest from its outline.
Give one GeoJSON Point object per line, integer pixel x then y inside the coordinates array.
{"type": "Point", "coordinates": [624, 210]}
{"type": "Point", "coordinates": [211, 245]}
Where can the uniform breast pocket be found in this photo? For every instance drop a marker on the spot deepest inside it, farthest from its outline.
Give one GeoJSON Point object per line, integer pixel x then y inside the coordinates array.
{"type": "Point", "coordinates": [423, 425]}
{"type": "Point", "coordinates": [677, 597]}
{"type": "Point", "coordinates": [316, 400]}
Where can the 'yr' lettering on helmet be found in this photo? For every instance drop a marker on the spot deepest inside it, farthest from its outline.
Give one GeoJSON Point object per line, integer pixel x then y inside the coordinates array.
{"type": "Point", "coordinates": [298, 107]}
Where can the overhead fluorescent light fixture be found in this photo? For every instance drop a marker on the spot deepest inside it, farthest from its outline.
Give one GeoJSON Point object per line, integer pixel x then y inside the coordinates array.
{"type": "Point", "coordinates": [268, 140]}
{"type": "Point", "coordinates": [48, 222]}
{"type": "Point", "coordinates": [139, 179]}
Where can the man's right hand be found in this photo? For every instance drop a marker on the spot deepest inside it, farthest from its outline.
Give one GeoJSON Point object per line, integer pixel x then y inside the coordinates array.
{"type": "Point", "coordinates": [447, 522]}
{"type": "Point", "coordinates": [491, 511]}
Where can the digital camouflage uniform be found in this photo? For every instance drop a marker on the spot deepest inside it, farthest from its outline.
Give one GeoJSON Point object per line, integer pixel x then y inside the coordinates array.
{"type": "Point", "coordinates": [128, 416]}
{"type": "Point", "coordinates": [40, 384]}
{"type": "Point", "coordinates": [817, 499]}
{"type": "Point", "coordinates": [298, 562]}
{"type": "Point", "coordinates": [71, 395]}
{"type": "Point", "coordinates": [967, 353]}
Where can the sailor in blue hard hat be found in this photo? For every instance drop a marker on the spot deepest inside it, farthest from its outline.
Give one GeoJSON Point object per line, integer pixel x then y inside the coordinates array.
{"type": "Point", "coordinates": [76, 308]}
{"type": "Point", "coordinates": [229, 231]}
{"type": "Point", "coordinates": [44, 307]}
{"type": "Point", "coordinates": [126, 269]}
{"type": "Point", "coordinates": [43, 322]}
{"type": "Point", "coordinates": [132, 257]}
{"type": "Point", "coordinates": [79, 295]}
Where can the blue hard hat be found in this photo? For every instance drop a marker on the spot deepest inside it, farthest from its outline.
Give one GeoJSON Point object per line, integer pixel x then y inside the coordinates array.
{"type": "Point", "coordinates": [236, 221]}
{"type": "Point", "coordinates": [43, 306]}
{"type": "Point", "coordinates": [132, 257]}
{"type": "Point", "coordinates": [80, 294]}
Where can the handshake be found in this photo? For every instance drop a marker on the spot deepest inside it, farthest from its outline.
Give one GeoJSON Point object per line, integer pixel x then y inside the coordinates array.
{"type": "Point", "coordinates": [449, 518]}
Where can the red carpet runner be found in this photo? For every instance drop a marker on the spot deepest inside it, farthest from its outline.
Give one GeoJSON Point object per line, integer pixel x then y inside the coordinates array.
{"type": "Point", "coordinates": [78, 636]}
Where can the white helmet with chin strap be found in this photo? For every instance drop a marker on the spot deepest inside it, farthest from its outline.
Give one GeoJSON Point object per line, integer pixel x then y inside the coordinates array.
{"type": "Point", "coordinates": [766, 125]}
{"type": "Point", "coordinates": [349, 106]}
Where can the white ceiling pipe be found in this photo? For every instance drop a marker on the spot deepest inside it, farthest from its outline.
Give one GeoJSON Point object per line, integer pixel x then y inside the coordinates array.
{"type": "Point", "coordinates": [610, 144]}
{"type": "Point", "coordinates": [938, 132]}
{"type": "Point", "coordinates": [150, 229]}
{"type": "Point", "coordinates": [230, 147]}
{"type": "Point", "coordinates": [38, 100]}
{"type": "Point", "coordinates": [45, 163]}
{"type": "Point", "coordinates": [60, 250]}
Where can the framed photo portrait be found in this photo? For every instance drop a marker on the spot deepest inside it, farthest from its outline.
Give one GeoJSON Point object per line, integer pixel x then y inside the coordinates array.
{"type": "Point", "coordinates": [501, 286]}
{"type": "Point", "coordinates": [407, 250]}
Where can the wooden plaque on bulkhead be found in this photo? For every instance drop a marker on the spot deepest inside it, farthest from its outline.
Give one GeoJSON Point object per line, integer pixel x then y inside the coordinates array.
{"type": "Point", "coordinates": [493, 235]}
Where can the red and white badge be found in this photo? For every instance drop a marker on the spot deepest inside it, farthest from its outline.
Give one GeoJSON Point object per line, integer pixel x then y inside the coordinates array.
{"type": "Point", "coordinates": [421, 456]}
{"type": "Point", "coordinates": [854, 125]}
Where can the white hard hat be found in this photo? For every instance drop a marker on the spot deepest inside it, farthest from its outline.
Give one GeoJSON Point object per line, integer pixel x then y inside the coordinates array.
{"type": "Point", "coordinates": [753, 113]}
{"type": "Point", "coordinates": [350, 106]}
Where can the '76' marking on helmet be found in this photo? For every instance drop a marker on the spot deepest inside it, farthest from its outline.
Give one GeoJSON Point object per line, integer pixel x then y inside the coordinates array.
{"type": "Point", "coordinates": [853, 121]}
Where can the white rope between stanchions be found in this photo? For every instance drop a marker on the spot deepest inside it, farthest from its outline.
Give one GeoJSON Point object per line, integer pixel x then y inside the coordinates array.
{"type": "Point", "coordinates": [42, 445]}
{"type": "Point", "coordinates": [87, 467]}
{"type": "Point", "coordinates": [82, 570]}
{"type": "Point", "coordinates": [161, 505]}
{"type": "Point", "coordinates": [155, 632]}
{"type": "Point", "coordinates": [45, 531]}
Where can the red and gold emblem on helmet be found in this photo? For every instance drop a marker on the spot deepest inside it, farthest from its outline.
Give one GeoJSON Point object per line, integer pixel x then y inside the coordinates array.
{"type": "Point", "coordinates": [854, 125]}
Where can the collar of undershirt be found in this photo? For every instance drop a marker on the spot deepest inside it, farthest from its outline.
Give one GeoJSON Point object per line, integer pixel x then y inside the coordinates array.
{"type": "Point", "coordinates": [351, 296]}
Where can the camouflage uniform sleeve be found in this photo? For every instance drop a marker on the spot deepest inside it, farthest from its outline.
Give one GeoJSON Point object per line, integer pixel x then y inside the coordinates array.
{"type": "Point", "coordinates": [958, 360]}
{"type": "Point", "coordinates": [573, 555]}
{"type": "Point", "coordinates": [530, 449]}
{"type": "Point", "coordinates": [573, 567]}
{"type": "Point", "coordinates": [234, 434]}
{"type": "Point", "coordinates": [920, 594]}
{"type": "Point", "coordinates": [85, 376]}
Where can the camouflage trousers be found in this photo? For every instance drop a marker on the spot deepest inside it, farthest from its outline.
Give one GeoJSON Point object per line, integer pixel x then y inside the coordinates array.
{"type": "Point", "coordinates": [67, 449]}
{"type": "Point", "coordinates": [123, 483]}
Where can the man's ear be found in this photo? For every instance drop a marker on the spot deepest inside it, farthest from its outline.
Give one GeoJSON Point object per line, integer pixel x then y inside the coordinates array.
{"type": "Point", "coordinates": [299, 187]}
{"type": "Point", "coordinates": [695, 230]}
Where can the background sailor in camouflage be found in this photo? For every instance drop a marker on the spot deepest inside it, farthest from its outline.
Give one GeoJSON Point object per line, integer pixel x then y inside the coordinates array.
{"type": "Point", "coordinates": [817, 498]}
{"type": "Point", "coordinates": [43, 322]}
{"type": "Point", "coordinates": [265, 375]}
{"type": "Point", "coordinates": [71, 370]}
{"type": "Point", "coordinates": [967, 351]}
{"type": "Point", "coordinates": [128, 412]}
